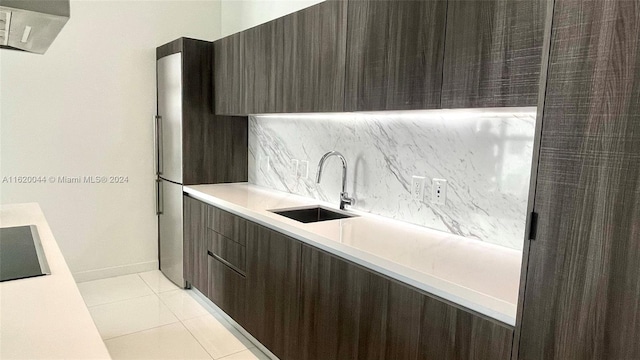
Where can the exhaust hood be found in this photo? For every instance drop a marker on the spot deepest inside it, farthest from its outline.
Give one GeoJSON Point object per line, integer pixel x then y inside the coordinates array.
{"type": "Point", "coordinates": [31, 25]}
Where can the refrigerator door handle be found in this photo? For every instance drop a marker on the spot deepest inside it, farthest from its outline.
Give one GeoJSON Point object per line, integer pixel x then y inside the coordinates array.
{"type": "Point", "coordinates": [158, 141]}
{"type": "Point", "coordinates": [159, 197]}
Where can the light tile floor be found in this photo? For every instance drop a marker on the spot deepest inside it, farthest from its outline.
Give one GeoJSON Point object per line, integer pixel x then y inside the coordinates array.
{"type": "Point", "coordinates": [145, 316]}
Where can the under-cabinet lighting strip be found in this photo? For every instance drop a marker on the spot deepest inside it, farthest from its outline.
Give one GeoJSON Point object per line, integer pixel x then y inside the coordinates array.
{"type": "Point", "coordinates": [409, 114]}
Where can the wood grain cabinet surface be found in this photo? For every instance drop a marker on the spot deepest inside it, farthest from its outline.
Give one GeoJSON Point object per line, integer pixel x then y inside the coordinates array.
{"type": "Point", "coordinates": [394, 54]}
{"type": "Point", "coordinates": [228, 72]}
{"type": "Point", "coordinates": [273, 280]}
{"type": "Point", "coordinates": [195, 243]}
{"type": "Point", "coordinates": [314, 58]}
{"type": "Point", "coordinates": [582, 295]}
{"type": "Point", "coordinates": [303, 303]}
{"type": "Point", "coordinates": [214, 148]}
{"type": "Point", "coordinates": [263, 68]}
{"type": "Point", "coordinates": [228, 225]}
{"type": "Point", "coordinates": [227, 288]}
{"type": "Point", "coordinates": [349, 312]}
{"type": "Point", "coordinates": [493, 53]}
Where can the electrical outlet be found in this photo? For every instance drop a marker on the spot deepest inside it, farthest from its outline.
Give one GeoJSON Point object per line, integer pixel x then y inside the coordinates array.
{"type": "Point", "coordinates": [417, 187]}
{"type": "Point", "coordinates": [293, 167]}
{"type": "Point", "coordinates": [439, 191]}
{"type": "Point", "coordinates": [303, 169]}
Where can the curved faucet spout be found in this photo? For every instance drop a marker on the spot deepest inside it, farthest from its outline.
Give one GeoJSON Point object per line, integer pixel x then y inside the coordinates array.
{"type": "Point", "coordinates": [344, 196]}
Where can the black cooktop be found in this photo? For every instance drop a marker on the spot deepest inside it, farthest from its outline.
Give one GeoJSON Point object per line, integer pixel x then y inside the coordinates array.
{"type": "Point", "coordinates": [21, 253]}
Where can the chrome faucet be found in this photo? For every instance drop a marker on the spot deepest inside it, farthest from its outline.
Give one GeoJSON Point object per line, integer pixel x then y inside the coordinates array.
{"type": "Point", "coordinates": [344, 196]}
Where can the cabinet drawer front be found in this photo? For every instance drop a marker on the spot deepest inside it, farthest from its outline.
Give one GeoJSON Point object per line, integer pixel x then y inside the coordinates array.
{"type": "Point", "coordinates": [227, 289]}
{"type": "Point", "coordinates": [227, 224]}
{"type": "Point", "coordinates": [227, 250]}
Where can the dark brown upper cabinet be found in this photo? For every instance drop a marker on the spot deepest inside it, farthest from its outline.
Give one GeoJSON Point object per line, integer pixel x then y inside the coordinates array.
{"type": "Point", "coordinates": [314, 58]}
{"type": "Point", "coordinates": [394, 54]}
{"type": "Point", "coordinates": [214, 148]}
{"type": "Point", "coordinates": [263, 68]}
{"type": "Point", "coordinates": [493, 53]}
{"type": "Point", "coordinates": [228, 55]}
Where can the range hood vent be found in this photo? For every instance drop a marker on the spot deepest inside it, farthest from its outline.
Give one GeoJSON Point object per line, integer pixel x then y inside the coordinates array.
{"type": "Point", "coordinates": [31, 25]}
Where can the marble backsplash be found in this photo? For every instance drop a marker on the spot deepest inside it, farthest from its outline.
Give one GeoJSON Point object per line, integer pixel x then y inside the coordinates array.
{"type": "Point", "coordinates": [485, 156]}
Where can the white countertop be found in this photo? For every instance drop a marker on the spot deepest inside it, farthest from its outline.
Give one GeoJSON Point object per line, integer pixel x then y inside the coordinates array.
{"type": "Point", "coordinates": [476, 275]}
{"type": "Point", "coordinates": [45, 317]}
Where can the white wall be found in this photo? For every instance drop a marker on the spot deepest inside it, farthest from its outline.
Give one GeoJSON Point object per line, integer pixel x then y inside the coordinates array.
{"type": "Point", "coordinates": [238, 15]}
{"type": "Point", "coordinates": [85, 108]}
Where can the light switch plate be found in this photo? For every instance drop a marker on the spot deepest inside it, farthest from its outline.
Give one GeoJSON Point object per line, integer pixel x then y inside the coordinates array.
{"type": "Point", "coordinates": [293, 167]}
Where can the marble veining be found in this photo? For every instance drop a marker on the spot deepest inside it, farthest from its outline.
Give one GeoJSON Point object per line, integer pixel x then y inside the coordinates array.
{"type": "Point", "coordinates": [485, 155]}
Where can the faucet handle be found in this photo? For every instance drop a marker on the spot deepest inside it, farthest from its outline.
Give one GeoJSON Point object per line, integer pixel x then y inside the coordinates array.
{"type": "Point", "coordinates": [346, 200]}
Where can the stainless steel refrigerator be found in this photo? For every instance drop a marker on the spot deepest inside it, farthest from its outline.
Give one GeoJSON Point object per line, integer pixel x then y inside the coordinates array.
{"type": "Point", "coordinates": [168, 144]}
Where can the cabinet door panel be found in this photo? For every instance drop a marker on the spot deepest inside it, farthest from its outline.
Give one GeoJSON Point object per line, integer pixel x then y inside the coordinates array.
{"type": "Point", "coordinates": [349, 312]}
{"type": "Point", "coordinates": [493, 53]}
{"type": "Point", "coordinates": [273, 274]}
{"type": "Point", "coordinates": [314, 58]}
{"type": "Point", "coordinates": [582, 294]}
{"type": "Point", "coordinates": [343, 309]}
{"type": "Point", "coordinates": [228, 74]}
{"type": "Point", "coordinates": [226, 150]}
{"type": "Point", "coordinates": [403, 324]}
{"type": "Point", "coordinates": [394, 54]}
{"type": "Point", "coordinates": [450, 333]}
{"type": "Point", "coordinates": [263, 68]}
{"type": "Point", "coordinates": [195, 243]}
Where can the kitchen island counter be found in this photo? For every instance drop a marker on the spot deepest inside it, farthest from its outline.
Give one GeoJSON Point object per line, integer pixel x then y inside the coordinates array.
{"type": "Point", "coordinates": [479, 276]}
{"type": "Point", "coordinates": [45, 317]}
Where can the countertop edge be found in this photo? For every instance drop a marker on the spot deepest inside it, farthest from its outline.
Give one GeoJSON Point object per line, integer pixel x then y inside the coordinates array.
{"type": "Point", "coordinates": [356, 256]}
{"type": "Point", "coordinates": [36, 324]}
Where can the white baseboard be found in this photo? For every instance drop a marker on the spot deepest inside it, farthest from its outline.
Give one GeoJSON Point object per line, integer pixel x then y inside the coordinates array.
{"type": "Point", "coordinates": [89, 275]}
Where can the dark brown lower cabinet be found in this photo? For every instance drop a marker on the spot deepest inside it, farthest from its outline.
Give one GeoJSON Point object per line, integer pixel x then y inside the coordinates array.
{"type": "Point", "coordinates": [448, 332]}
{"type": "Point", "coordinates": [227, 288]}
{"type": "Point", "coordinates": [303, 303]}
{"type": "Point", "coordinates": [341, 309]}
{"type": "Point", "coordinates": [350, 312]}
{"type": "Point", "coordinates": [195, 243]}
{"type": "Point", "coordinates": [273, 283]}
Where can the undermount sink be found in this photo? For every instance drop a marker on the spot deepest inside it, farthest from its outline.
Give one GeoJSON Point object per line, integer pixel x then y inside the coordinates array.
{"type": "Point", "coordinates": [311, 214]}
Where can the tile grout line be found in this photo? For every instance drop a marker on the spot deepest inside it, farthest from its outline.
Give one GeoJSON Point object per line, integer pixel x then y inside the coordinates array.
{"type": "Point", "coordinates": [209, 312]}
{"type": "Point", "coordinates": [176, 315]}
{"type": "Point", "coordinates": [199, 343]}
{"type": "Point", "coordinates": [121, 300]}
{"type": "Point", "coordinates": [111, 302]}
{"type": "Point", "coordinates": [149, 286]}
{"type": "Point", "coordinates": [139, 331]}
{"type": "Point", "coordinates": [226, 356]}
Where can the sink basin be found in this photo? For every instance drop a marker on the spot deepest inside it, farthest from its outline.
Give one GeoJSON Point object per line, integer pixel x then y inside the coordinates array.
{"type": "Point", "coordinates": [311, 214]}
